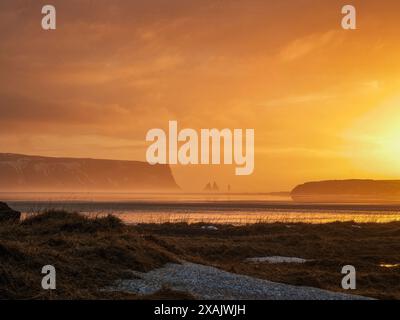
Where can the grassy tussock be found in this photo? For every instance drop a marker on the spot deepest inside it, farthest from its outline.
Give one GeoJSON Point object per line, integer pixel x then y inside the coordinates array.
{"type": "Point", "coordinates": [88, 254]}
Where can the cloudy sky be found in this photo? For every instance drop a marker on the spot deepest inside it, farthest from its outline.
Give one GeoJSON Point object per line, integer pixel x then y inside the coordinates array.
{"type": "Point", "coordinates": [324, 102]}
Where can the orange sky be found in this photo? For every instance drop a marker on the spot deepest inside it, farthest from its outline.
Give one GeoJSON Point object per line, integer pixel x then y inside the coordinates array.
{"type": "Point", "coordinates": [324, 102]}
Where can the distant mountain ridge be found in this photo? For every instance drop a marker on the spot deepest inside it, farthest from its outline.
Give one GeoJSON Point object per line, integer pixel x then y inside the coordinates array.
{"type": "Point", "coordinates": [44, 174]}
{"type": "Point", "coordinates": [347, 190]}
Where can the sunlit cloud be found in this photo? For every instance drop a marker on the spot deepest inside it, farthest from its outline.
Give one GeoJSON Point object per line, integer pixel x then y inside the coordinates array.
{"type": "Point", "coordinates": [114, 70]}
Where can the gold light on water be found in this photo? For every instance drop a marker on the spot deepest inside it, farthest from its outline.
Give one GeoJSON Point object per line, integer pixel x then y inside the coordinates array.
{"type": "Point", "coordinates": [388, 265]}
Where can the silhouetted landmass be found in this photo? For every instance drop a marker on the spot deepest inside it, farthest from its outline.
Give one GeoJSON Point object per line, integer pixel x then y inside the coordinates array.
{"type": "Point", "coordinates": [215, 187]}
{"type": "Point", "coordinates": [35, 173]}
{"type": "Point", "coordinates": [347, 191]}
{"type": "Point", "coordinates": [208, 187]}
{"type": "Point", "coordinates": [211, 188]}
{"type": "Point", "coordinates": [8, 214]}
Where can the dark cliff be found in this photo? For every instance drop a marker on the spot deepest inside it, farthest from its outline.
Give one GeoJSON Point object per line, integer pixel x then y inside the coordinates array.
{"type": "Point", "coordinates": [36, 173]}
{"type": "Point", "coordinates": [347, 190]}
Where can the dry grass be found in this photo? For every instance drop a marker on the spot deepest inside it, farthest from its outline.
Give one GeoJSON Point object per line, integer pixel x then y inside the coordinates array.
{"type": "Point", "coordinates": [87, 254]}
{"type": "Point", "coordinates": [90, 254]}
{"type": "Point", "coordinates": [330, 246]}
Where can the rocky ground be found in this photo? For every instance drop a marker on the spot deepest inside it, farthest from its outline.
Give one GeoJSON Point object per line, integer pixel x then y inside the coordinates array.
{"type": "Point", "coordinates": [204, 282]}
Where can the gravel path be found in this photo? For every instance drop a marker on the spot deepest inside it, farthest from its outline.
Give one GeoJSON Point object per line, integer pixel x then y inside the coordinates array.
{"type": "Point", "coordinates": [206, 282]}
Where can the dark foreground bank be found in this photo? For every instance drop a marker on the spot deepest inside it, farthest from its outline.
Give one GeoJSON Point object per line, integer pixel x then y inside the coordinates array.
{"type": "Point", "coordinates": [92, 254]}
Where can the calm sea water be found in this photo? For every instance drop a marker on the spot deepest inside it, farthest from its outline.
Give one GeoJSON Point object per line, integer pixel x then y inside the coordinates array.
{"type": "Point", "coordinates": [207, 208]}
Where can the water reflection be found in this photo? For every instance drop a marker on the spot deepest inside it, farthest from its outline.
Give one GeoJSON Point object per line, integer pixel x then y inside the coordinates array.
{"type": "Point", "coordinates": [235, 209]}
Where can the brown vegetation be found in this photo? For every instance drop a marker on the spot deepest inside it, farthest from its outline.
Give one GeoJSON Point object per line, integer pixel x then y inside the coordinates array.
{"type": "Point", "coordinates": [329, 246]}
{"type": "Point", "coordinates": [90, 254]}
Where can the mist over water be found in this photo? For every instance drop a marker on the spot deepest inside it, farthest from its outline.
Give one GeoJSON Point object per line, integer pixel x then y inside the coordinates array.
{"type": "Point", "coordinates": [206, 208]}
